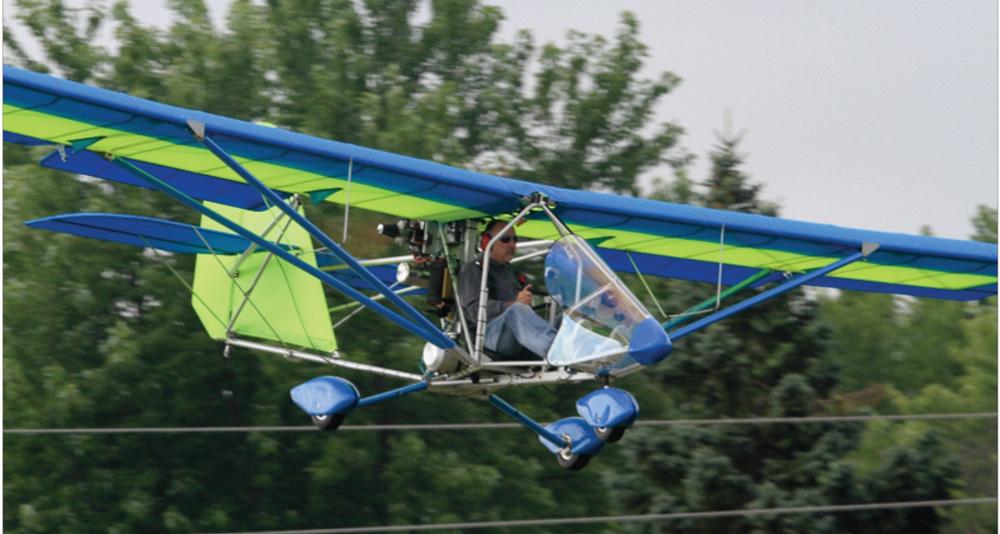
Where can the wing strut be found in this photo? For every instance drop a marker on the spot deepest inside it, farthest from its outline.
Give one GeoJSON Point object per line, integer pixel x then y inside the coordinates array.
{"type": "Point", "coordinates": [198, 129]}
{"type": "Point", "coordinates": [430, 334]}
{"type": "Point", "coordinates": [788, 285]}
{"type": "Point", "coordinates": [703, 305]}
{"type": "Point", "coordinates": [627, 366]}
{"type": "Point", "coordinates": [235, 270]}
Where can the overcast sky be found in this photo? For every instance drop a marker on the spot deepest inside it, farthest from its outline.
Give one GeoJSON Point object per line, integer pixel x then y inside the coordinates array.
{"type": "Point", "coordinates": [870, 114]}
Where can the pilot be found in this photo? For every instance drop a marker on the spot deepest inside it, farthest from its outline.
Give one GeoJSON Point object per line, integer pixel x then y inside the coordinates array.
{"type": "Point", "coordinates": [511, 325]}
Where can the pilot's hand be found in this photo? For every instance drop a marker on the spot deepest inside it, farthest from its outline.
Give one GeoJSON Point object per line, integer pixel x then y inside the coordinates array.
{"type": "Point", "coordinates": [524, 296]}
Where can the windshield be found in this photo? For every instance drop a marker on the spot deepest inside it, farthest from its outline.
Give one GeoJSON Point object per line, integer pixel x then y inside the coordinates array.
{"type": "Point", "coordinates": [599, 312]}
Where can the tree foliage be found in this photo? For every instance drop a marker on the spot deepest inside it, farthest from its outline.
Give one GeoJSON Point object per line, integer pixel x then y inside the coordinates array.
{"type": "Point", "coordinates": [774, 362]}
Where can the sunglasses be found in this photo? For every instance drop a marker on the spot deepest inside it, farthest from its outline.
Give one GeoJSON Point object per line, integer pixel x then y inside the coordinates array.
{"type": "Point", "coordinates": [508, 239]}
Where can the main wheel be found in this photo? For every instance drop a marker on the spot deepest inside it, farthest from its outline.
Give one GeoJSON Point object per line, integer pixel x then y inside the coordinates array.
{"type": "Point", "coordinates": [609, 434]}
{"type": "Point", "coordinates": [572, 462]}
{"type": "Point", "coordinates": [328, 422]}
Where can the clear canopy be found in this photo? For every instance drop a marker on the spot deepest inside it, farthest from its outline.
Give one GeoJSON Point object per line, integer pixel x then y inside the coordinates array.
{"type": "Point", "coordinates": [599, 312]}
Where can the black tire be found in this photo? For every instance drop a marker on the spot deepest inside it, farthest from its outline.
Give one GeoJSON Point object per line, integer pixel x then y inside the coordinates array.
{"type": "Point", "coordinates": [328, 422]}
{"type": "Point", "coordinates": [609, 434]}
{"type": "Point", "coordinates": [572, 462]}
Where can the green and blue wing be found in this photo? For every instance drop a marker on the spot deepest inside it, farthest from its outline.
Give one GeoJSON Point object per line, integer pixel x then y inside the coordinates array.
{"type": "Point", "coordinates": [660, 238]}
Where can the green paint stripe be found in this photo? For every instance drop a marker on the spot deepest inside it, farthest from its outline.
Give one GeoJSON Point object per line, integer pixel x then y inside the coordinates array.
{"type": "Point", "coordinates": [761, 258]}
{"type": "Point", "coordinates": [194, 158]}
{"type": "Point", "coordinates": [705, 304]}
{"type": "Point", "coordinates": [197, 159]}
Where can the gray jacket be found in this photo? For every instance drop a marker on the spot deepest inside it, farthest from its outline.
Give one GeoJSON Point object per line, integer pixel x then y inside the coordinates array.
{"type": "Point", "coordinates": [502, 284]}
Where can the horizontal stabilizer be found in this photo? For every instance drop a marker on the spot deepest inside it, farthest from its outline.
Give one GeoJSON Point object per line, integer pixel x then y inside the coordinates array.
{"type": "Point", "coordinates": [144, 232]}
{"type": "Point", "coordinates": [181, 238]}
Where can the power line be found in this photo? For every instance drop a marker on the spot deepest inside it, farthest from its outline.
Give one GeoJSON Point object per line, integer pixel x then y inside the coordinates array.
{"type": "Point", "coordinates": [493, 426]}
{"type": "Point", "coordinates": [647, 517]}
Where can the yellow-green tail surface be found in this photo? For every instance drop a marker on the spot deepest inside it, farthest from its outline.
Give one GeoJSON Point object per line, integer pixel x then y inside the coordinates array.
{"type": "Point", "coordinates": [286, 305]}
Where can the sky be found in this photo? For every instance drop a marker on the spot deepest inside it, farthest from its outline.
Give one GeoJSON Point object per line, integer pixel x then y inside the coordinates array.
{"type": "Point", "coordinates": [878, 115]}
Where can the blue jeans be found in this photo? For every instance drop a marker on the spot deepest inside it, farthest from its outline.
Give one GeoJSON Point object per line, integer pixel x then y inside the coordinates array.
{"type": "Point", "coordinates": [517, 328]}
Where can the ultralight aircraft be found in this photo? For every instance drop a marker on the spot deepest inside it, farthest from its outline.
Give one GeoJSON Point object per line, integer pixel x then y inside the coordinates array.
{"type": "Point", "coordinates": [259, 277]}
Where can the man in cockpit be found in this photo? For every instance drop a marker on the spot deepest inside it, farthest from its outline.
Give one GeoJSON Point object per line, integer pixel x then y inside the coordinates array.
{"type": "Point", "coordinates": [511, 325]}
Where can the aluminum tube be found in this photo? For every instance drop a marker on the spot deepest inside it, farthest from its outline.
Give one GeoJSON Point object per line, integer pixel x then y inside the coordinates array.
{"type": "Point", "coordinates": [483, 289]}
{"type": "Point", "coordinates": [329, 360]}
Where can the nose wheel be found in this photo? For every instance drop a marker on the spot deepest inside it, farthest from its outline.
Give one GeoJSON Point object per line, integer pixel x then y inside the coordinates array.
{"type": "Point", "coordinates": [328, 422]}
{"type": "Point", "coordinates": [572, 462]}
{"type": "Point", "coordinates": [609, 434]}
{"type": "Point", "coordinates": [610, 411]}
{"type": "Point", "coordinates": [328, 399]}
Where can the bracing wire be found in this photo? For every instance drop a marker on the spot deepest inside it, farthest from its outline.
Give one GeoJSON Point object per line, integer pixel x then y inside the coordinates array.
{"type": "Point", "coordinates": [347, 197]}
{"type": "Point", "coordinates": [260, 273]}
{"type": "Point", "coordinates": [282, 267]}
{"type": "Point", "coordinates": [184, 282]}
{"type": "Point", "coordinates": [495, 426]}
{"type": "Point", "coordinates": [358, 310]}
{"type": "Point", "coordinates": [645, 285]}
{"type": "Point", "coordinates": [722, 247]}
{"type": "Point", "coordinates": [238, 286]}
{"type": "Point", "coordinates": [709, 514]}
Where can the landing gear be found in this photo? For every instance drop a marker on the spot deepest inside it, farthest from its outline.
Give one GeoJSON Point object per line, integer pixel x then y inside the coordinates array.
{"type": "Point", "coordinates": [571, 440]}
{"type": "Point", "coordinates": [328, 422]}
{"type": "Point", "coordinates": [609, 434]}
{"type": "Point", "coordinates": [328, 399]}
{"type": "Point", "coordinates": [610, 411]}
{"type": "Point", "coordinates": [572, 462]}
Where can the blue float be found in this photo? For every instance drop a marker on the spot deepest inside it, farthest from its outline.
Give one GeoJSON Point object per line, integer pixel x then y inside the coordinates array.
{"type": "Point", "coordinates": [325, 395]}
{"type": "Point", "coordinates": [582, 436]}
{"type": "Point", "coordinates": [608, 408]}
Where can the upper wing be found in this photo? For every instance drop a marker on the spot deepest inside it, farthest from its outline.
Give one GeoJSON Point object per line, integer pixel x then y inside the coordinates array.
{"type": "Point", "coordinates": [93, 122]}
{"type": "Point", "coordinates": [658, 238]}
{"type": "Point", "coordinates": [692, 243]}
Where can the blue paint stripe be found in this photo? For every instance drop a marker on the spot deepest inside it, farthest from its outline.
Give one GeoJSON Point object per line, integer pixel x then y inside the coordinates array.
{"type": "Point", "coordinates": [11, 137]}
{"type": "Point", "coordinates": [196, 185]}
{"type": "Point", "coordinates": [707, 272]}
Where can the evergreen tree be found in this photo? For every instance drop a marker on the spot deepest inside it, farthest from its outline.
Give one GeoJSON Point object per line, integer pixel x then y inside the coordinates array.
{"type": "Point", "coordinates": [985, 224]}
{"type": "Point", "coordinates": [771, 362]}
{"type": "Point", "coordinates": [99, 335]}
{"type": "Point", "coordinates": [728, 187]}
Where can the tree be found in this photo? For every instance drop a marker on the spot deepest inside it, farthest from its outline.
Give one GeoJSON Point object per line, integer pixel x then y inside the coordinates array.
{"type": "Point", "coordinates": [582, 125]}
{"type": "Point", "coordinates": [727, 186]}
{"type": "Point", "coordinates": [969, 385]}
{"type": "Point", "coordinates": [100, 329]}
{"type": "Point", "coordinates": [772, 362]}
{"type": "Point", "coordinates": [985, 223]}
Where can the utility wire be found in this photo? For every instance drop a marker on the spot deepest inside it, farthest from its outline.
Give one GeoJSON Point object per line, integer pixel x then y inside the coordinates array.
{"type": "Point", "coordinates": [492, 426]}
{"type": "Point", "coordinates": [647, 517]}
